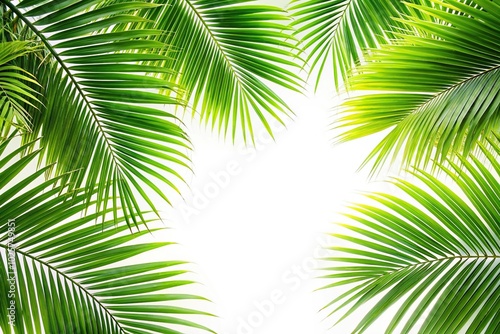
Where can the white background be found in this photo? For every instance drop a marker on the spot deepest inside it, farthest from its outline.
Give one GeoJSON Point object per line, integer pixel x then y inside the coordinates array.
{"type": "Point", "coordinates": [255, 219]}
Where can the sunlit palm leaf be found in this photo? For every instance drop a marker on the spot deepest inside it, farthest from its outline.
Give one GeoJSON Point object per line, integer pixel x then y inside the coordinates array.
{"type": "Point", "coordinates": [223, 54]}
{"type": "Point", "coordinates": [437, 252]}
{"type": "Point", "coordinates": [14, 92]}
{"type": "Point", "coordinates": [440, 91]}
{"type": "Point", "coordinates": [94, 87]}
{"type": "Point", "coordinates": [341, 30]}
{"type": "Point", "coordinates": [69, 274]}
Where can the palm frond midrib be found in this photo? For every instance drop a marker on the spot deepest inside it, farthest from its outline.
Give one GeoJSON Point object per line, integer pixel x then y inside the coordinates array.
{"type": "Point", "coordinates": [461, 82]}
{"type": "Point", "coordinates": [70, 75]}
{"type": "Point", "coordinates": [68, 278]}
{"type": "Point", "coordinates": [462, 258]}
{"type": "Point", "coordinates": [215, 42]}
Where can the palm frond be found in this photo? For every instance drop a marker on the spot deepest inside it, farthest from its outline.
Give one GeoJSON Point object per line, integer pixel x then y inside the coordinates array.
{"type": "Point", "coordinates": [439, 90]}
{"type": "Point", "coordinates": [341, 30]}
{"type": "Point", "coordinates": [14, 92]}
{"type": "Point", "coordinates": [224, 53]}
{"type": "Point", "coordinates": [65, 274]}
{"type": "Point", "coordinates": [94, 116]}
{"type": "Point", "coordinates": [435, 252]}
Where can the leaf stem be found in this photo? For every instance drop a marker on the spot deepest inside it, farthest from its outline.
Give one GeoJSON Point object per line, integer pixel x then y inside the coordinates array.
{"type": "Point", "coordinates": [461, 257]}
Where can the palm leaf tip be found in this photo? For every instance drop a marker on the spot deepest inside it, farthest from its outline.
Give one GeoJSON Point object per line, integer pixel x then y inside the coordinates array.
{"type": "Point", "coordinates": [434, 251]}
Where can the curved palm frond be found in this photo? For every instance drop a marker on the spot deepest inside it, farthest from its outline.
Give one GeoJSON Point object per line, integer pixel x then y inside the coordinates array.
{"type": "Point", "coordinates": [93, 118]}
{"type": "Point", "coordinates": [224, 52]}
{"type": "Point", "coordinates": [13, 90]}
{"type": "Point", "coordinates": [344, 29]}
{"type": "Point", "coordinates": [440, 91]}
{"type": "Point", "coordinates": [436, 254]}
{"type": "Point", "coordinates": [65, 274]}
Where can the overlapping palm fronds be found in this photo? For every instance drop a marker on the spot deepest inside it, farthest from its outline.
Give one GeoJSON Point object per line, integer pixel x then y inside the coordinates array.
{"type": "Point", "coordinates": [342, 30]}
{"type": "Point", "coordinates": [93, 117]}
{"type": "Point", "coordinates": [14, 92]}
{"type": "Point", "coordinates": [434, 252]}
{"type": "Point", "coordinates": [65, 274]}
{"type": "Point", "coordinates": [224, 55]}
{"type": "Point", "coordinates": [438, 91]}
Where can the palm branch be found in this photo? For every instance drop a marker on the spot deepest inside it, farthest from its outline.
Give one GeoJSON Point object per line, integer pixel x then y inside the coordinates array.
{"type": "Point", "coordinates": [98, 113]}
{"type": "Point", "coordinates": [225, 54]}
{"type": "Point", "coordinates": [437, 92]}
{"type": "Point", "coordinates": [434, 250]}
{"type": "Point", "coordinates": [65, 274]}
{"type": "Point", "coordinates": [342, 30]}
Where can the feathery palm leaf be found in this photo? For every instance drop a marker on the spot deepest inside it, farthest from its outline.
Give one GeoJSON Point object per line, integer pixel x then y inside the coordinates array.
{"type": "Point", "coordinates": [13, 90]}
{"type": "Point", "coordinates": [224, 51]}
{"type": "Point", "coordinates": [437, 253]}
{"type": "Point", "coordinates": [344, 29]}
{"type": "Point", "coordinates": [66, 275]}
{"type": "Point", "coordinates": [440, 91]}
{"type": "Point", "coordinates": [93, 118]}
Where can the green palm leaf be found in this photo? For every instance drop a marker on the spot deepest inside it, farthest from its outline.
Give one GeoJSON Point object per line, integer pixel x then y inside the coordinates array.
{"type": "Point", "coordinates": [65, 274]}
{"type": "Point", "coordinates": [94, 117]}
{"type": "Point", "coordinates": [435, 251]}
{"type": "Point", "coordinates": [439, 91]}
{"type": "Point", "coordinates": [341, 30]}
{"type": "Point", "coordinates": [224, 53]}
{"type": "Point", "coordinates": [14, 92]}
